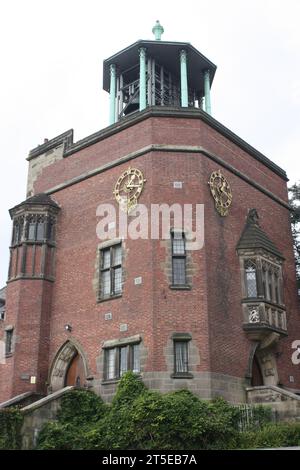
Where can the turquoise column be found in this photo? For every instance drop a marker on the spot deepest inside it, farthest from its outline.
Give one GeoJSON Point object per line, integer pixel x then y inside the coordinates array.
{"type": "Point", "coordinates": [142, 52]}
{"type": "Point", "coordinates": [112, 95]}
{"type": "Point", "coordinates": [183, 79]}
{"type": "Point", "coordinates": [207, 92]}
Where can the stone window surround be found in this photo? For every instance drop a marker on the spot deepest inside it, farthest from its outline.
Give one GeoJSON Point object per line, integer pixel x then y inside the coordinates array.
{"type": "Point", "coordinates": [9, 329]}
{"type": "Point", "coordinates": [259, 259]}
{"type": "Point", "coordinates": [102, 246]}
{"type": "Point", "coordinates": [181, 337]}
{"type": "Point", "coordinates": [118, 343]}
{"type": "Point", "coordinates": [172, 286]}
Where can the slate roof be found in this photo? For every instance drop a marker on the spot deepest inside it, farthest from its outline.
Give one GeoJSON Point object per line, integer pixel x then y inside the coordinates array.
{"type": "Point", "coordinates": [41, 198]}
{"type": "Point", "coordinates": [38, 199]}
{"type": "Point", "coordinates": [254, 237]}
{"type": "Point", "coordinates": [3, 293]}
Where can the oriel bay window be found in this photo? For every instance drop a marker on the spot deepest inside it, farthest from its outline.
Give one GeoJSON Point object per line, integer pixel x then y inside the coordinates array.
{"type": "Point", "coordinates": [178, 259]}
{"type": "Point", "coordinates": [111, 271]}
{"type": "Point", "coordinates": [263, 280]}
{"type": "Point", "coordinates": [120, 359]}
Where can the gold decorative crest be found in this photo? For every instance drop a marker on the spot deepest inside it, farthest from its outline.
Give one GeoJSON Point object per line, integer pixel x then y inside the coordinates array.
{"type": "Point", "coordinates": [221, 192]}
{"type": "Point", "coordinates": [128, 188]}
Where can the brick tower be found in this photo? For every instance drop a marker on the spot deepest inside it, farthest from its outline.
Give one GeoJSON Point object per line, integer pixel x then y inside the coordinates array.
{"type": "Point", "coordinates": [86, 301]}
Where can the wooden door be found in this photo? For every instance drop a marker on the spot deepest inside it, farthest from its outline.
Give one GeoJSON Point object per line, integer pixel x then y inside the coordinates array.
{"type": "Point", "coordinates": [75, 374]}
{"type": "Point", "coordinates": [257, 378]}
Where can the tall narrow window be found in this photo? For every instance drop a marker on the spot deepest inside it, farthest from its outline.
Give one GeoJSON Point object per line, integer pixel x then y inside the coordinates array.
{"type": "Point", "coordinates": [17, 233]}
{"type": "Point", "coordinates": [31, 231]}
{"type": "Point", "coordinates": [264, 282]}
{"type": "Point", "coordinates": [123, 360]}
{"type": "Point", "coordinates": [111, 271]}
{"type": "Point", "coordinates": [8, 341]}
{"type": "Point", "coordinates": [135, 360]}
{"type": "Point", "coordinates": [178, 259]}
{"type": "Point", "coordinates": [110, 363]}
{"type": "Point", "coordinates": [250, 277]}
{"type": "Point", "coordinates": [40, 231]}
{"type": "Point", "coordinates": [181, 357]}
{"type": "Point", "coordinates": [270, 285]}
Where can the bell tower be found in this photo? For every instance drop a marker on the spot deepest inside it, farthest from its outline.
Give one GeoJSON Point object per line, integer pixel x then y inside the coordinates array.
{"type": "Point", "coordinates": [157, 73]}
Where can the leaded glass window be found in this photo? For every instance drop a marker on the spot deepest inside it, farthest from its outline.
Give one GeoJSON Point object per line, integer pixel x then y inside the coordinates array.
{"type": "Point", "coordinates": [250, 278]}
{"type": "Point", "coordinates": [120, 359]}
{"type": "Point", "coordinates": [181, 357]}
{"type": "Point", "coordinates": [178, 259]}
{"type": "Point", "coordinates": [111, 271]}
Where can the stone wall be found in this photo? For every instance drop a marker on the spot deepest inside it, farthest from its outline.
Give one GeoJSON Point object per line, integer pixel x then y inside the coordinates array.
{"type": "Point", "coordinates": [285, 404]}
{"type": "Point", "coordinates": [39, 413]}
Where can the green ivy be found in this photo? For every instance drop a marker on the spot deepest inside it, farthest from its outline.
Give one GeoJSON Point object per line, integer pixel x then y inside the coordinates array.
{"type": "Point", "coordinates": [11, 420]}
{"type": "Point", "coordinates": [139, 418]}
{"type": "Point", "coordinates": [271, 435]}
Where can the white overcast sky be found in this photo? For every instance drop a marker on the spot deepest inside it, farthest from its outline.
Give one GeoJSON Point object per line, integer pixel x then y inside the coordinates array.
{"type": "Point", "coordinates": [51, 73]}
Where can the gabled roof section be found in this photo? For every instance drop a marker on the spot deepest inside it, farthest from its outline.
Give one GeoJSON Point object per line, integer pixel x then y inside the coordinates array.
{"type": "Point", "coordinates": [254, 237]}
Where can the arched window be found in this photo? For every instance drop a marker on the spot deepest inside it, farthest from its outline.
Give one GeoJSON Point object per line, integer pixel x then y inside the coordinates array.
{"type": "Point", "coordinates": [251, 279]}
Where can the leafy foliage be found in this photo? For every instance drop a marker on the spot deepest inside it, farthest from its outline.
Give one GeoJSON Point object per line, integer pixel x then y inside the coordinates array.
{"type": "Point", "coordinates": [139, 418]}
{"type": "Point", "coordinates": [271, 435]}
{"type": "Point", "coordinates": [294, 197]}
{"type": "Point", "coordinates": [11, 421]}
{"type": "Point", "coordinates": [80, 410]}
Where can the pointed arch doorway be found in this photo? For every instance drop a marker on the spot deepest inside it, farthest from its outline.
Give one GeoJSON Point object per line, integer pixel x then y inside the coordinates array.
{"type": "Point", "coordinates": [257, 376]}
{"type": "Point", "coordinates": [75, 374]}
{"type": "Point", "coordinates": [69, 367]}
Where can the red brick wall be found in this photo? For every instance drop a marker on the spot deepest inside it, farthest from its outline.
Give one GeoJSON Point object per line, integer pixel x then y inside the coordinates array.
{"type": "Point", "coordinates": [211, 311]}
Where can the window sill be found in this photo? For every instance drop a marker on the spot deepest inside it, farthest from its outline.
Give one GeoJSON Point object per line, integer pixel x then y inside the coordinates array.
{"type": "Point", "coordinates": [9, 354]}
{"type": "Point", "coordinates": [117, 380]}
{"type": "Point", "coordinates": [183, 375]}
{"type": "Point", "coordinates": [111, 297]}
{"type": "Point", "coordinates": [249, 300]}
{"type": "Point", "coordinates": [110, 381]}
{"type": "Point", "coordinates": [180, 287]}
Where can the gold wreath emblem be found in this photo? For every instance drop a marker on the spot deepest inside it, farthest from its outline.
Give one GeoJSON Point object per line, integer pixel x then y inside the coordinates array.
{"type": "Point", "coordinates": [128, 188]}
{"type": "Point", "coordinates": [221, 192]}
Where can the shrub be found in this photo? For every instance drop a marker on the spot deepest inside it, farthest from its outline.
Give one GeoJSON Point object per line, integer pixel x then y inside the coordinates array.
{"type": "Point", "coordinates": [271, 435]}
{"type": "Point", "coordinates": [81, 406]}
{"type": "Point", "coordinates": [11, 421]}
{"type": "Point", "coordinates": [80, 410]}
{"type": "Point", "coordinates": [139, 418]}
